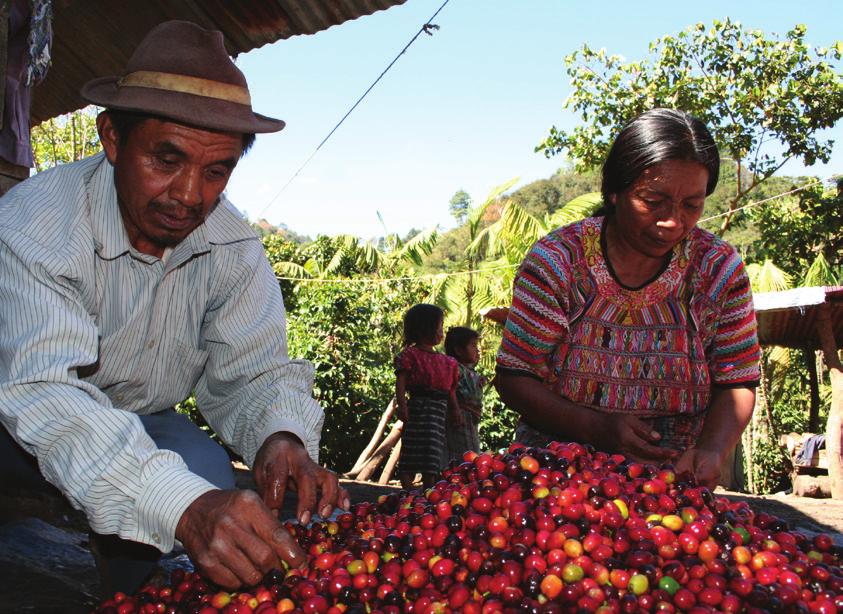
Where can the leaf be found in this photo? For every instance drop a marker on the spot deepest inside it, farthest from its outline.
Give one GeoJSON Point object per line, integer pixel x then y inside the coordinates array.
{"type": "Point", "coordinates": [290, 269]}
{"type": "Point", "coordinates": [820, 273]}
{"type": "Point", "coordinates": [576, 209]}
{"type": "Point", "coordinates": [767, 277]}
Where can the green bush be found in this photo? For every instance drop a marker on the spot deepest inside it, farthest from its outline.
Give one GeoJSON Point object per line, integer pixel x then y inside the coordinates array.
{"type": "Point", "coordinates": [350, 332]}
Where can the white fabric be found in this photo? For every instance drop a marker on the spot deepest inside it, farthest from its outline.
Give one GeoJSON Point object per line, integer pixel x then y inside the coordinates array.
{"type": "Point", "coordinates": [93, 332]}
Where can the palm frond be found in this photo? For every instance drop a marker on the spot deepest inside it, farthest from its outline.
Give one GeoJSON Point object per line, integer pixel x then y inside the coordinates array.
{"type": "Point", "coordinates": [290, 269]}
{"type": "Point", "coordinates": [311, 266]}
{"type": "Point", "coordinates": [370, 256]}
{"type": "Point", "coordinates": [767, 277]}
{"type": "Point", "coordinates": [438, 287]}
{"type": "Point", "coordinates": [476, 213]}
{"type": "Point", "coordinates": [419, 246]}
{"type": "Point", "coordinates": [576, 209]}
{"type": "Point", "coordinates": [820, 273]}
{"type": "Point", "coordinates": [518, 227]}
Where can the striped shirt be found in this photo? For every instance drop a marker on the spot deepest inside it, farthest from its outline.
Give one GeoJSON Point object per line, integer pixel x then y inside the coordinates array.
{"type": "Point", "coordinates": [93, 332]}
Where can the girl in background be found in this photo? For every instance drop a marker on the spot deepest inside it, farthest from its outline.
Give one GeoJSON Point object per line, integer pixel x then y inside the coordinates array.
{"type": "Point", "coordinates": [461, 343]}
{"type": "Point", "coordinates": [429, 379]}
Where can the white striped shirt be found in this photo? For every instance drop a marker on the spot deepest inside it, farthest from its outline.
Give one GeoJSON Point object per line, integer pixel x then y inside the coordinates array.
{"type": "Point", "coordinates": [93, 332]}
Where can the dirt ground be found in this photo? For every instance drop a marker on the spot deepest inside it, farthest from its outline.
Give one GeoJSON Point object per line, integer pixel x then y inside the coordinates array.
{"type": "Point", "coordinates": [45, 564]}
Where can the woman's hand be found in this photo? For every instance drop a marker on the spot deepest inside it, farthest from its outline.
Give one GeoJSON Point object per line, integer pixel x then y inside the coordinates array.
{"type": "Point", "coordinates": [704, 464]}
{"type": "Point", "coordinates": [547, 411]}
{"type": "Point", "coordinates": [627, 435]}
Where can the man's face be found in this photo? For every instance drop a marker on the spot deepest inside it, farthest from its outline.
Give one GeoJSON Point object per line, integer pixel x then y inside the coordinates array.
{"type": "Point", "coordinates": [168, 178]}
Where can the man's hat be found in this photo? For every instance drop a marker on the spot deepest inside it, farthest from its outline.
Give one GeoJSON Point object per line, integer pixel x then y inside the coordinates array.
{"type": "Point", "coordinates": [183, 72]}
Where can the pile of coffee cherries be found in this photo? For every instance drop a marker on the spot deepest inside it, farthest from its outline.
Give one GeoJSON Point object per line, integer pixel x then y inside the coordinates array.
{"type": "Point", "coordinates": [562, 529]}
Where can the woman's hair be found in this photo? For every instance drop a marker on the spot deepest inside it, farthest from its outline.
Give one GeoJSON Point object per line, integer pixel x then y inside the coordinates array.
{"type": "Point", "coordinates": [656, 136]}
{"type": "Point", "coordinates": [458, 337]}
{"type": "Point", "coordinates": [421, 322]}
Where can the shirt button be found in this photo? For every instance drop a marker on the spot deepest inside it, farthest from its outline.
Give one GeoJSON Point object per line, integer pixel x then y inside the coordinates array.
{"type": "Point", "coordinates": [118, 397]}
{"type": "Point", "coordinates": [156, 538]}
{"type": "Point", "coordinates": [151, 344]}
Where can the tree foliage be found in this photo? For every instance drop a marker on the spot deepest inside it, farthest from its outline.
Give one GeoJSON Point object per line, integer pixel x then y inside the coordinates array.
{"type": "Point", "coordinates": [765, 99]}
{"type": "Point", "coordinates": [459, 205]}
{"type": "Point", "coordinates": [801, 232]}
{"type": "Point", "coordinates": [66, 138]}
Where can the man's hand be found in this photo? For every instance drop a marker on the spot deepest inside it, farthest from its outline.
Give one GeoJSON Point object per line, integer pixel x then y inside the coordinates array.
{"type": "Point", "coordinates": [282, 463]}
{"type": "Point", "coordinates": [704, 464]}
{"type": "Point", "coordinates": [629, 436]}
{"type": "Point", "coordinates": [234, 539]}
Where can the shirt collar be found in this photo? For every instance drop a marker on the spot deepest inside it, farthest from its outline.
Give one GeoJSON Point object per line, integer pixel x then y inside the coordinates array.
{"type": "Point", "coordinates": [224, 225]}
{"type": "Point", "coordinates": [110, 238]}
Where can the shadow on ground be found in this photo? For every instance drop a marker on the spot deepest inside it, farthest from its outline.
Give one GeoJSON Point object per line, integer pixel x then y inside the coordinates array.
{"type": "Point", "coordinates": [45, 563]}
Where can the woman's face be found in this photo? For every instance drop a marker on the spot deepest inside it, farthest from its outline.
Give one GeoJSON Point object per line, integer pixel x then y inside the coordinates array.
{"type": "Point", "coordinates": [661, 207]}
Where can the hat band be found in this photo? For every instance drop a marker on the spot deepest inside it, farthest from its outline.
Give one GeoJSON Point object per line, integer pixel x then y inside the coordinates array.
{"type": "Point", "coordinates": [186, 85]}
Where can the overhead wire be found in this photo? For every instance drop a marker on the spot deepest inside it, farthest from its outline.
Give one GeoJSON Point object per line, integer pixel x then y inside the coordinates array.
{"type": "Point", "coordinates": [760, 202]}
{"type": "Point", "coordinates": [428, 28]}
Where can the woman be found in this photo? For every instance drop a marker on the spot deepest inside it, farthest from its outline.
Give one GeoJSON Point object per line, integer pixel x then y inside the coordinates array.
{"type": "Point", "coordinates": [634, 330]}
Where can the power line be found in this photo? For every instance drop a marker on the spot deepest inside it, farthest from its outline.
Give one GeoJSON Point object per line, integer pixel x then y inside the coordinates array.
{"type": "Point", "coordinates": [428, 28]}
{"type": "Point", "coordinates": [759, 202]}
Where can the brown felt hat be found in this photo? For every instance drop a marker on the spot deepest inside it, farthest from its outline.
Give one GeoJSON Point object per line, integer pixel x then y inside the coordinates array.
{"type": "Point", "coordinates": [183, 72]}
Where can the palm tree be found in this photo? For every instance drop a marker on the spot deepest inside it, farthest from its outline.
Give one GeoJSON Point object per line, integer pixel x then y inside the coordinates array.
{"type": "Point", "coordinates": [506, 242]}
{"type": "Point", "coordinates": [382, 259]}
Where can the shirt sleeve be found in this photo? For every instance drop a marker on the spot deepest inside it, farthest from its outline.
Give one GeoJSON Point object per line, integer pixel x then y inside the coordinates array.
{"type": "Point", "coordinates": [538, 322]}
{"type": "Point", "coordinates": [98, 455]}
{"type": "Point", "coordinates": [250, 387]}
{"type": "Point", "coordinates": [402, 360]}
{"type": "Point", "coordinates": [736, 353]}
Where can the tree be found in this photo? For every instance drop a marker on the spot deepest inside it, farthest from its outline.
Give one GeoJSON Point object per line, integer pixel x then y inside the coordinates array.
{"type": "Point", "coordinates": [802, 231]}
{"type": "Point", "coordinates": [755, 93]}
{"type": "Point", "coordinates": [459, 205]}
{"type": "Point", "coordinates": [65, 139]}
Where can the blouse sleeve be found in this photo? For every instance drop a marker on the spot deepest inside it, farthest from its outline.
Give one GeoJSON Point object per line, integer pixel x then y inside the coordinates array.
{"type": "Point", "coordinates": [402, 361]}
{"type": "Point", "coordinates": [455, 374]}
{"type": "Point", "coordinates": [735, 356]}
{"type": "Point", "coordinates": [538, 320]}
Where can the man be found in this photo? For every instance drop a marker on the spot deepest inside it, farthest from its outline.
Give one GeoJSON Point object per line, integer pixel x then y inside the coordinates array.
{"type": "Point", "coordinates": [127, 282]}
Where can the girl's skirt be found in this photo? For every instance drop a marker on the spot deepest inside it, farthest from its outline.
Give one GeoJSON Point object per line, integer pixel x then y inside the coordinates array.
{"type": "Point", "coordinates": [423, 439]}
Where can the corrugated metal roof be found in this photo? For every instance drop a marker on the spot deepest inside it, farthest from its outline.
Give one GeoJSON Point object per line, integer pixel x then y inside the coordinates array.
{"type": "Point", "coordinates": [94, 38]}
{"type": "Point", "coordinates": [789, 318]}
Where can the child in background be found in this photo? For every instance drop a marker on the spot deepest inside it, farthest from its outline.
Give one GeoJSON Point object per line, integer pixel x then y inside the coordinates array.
{"type": "Point", "coordinates": [430, 380]}
{"type": "Point", "coordinates": [462, 344]}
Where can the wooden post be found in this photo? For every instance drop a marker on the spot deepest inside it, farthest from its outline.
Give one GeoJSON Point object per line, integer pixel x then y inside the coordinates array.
{"type": "Point", "coordinates": [814, 385]}
{"type": "Point", "coordinates": [834, 433]}
{"type": "Point", "coordinates": [381, 453]}
{"type": "Point", "coordinates": [364, 455]}
{"type": "Point", "coordinates": [11, 175]}
{"type": "Point", "coordinates": [391, 462]}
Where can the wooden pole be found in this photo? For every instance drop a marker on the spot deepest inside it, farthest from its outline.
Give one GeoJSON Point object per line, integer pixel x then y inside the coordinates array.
{"type": "Point", "coordinates": [364, 455]}
{"type": "Point", "coordinates": [381, 453]}
{"type": "Point", "coordinates": [390, 464]}
{"type": "Point", "coordinates": [834, 432]}
{"type": "Point", "coordinates": [814, 386]}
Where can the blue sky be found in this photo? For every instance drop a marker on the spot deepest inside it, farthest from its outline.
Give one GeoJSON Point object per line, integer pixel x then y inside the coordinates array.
{"type": "Point", "coordinates": [462, 109]}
